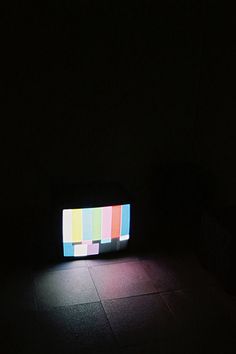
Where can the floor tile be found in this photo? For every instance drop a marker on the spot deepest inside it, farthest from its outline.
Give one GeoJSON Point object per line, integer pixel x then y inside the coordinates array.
{"type": "Point", "coordinates": [204, 319]}
{"type": "Point", "coordinates": [64, 287]}
{"type": "Point", "coordinates": [140, 319]}
{"type": "Point", "coordinates": [82, 327]}
{"type": "Point", "coordinates": [173, 273]}
{"type": "Point", "coordinates": [90, 326]}
{"type": "Point", "coordinates": [121, 280]}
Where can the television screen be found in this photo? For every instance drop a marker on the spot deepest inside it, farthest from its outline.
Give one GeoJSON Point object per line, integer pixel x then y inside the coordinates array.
{"type": "Point", "coordinates": [92, 231]}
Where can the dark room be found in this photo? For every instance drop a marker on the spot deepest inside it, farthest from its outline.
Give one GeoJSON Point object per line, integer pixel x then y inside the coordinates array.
{"type": "Point", "coordinates": [118, 193]}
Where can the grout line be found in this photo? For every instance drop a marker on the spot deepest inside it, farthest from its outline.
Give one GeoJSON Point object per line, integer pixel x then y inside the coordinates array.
{"type": "Point", "coordinates": [167, 306]}
{"type": "Point", "coordinates": [129, 297]}
{"type": "Point", "coordinates": [46, 309]}
{"type": "Point", "coordinates": [144, 294]}
{"type": "Point", "coordinates": [92, 302]}
{"type": "Point", "coordinates": [94, 284]}
{"type": "Point", "coordinates": [163, 292]}
{"type": "Point", "coordinates": [113, 334]}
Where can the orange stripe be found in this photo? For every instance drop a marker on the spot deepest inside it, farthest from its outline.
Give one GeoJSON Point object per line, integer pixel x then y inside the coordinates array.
{"type": "Point", "coordinates": [116, 219]}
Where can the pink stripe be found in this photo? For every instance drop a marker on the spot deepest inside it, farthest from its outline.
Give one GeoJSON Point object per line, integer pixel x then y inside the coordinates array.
{"type": "Point", "coordinates": [106, 222]}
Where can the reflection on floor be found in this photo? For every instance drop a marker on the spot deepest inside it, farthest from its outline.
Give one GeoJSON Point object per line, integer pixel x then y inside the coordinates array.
{"type": "Point", "coordinates": [132, 304]}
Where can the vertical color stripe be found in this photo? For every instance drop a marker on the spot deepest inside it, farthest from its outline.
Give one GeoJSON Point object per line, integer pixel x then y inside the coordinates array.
{"type": "Point", "coordinates": [87, 224]}
{"type": "Point", "coordinates": [97, 223]}
{"type": "Point", "coordinates": [76, 225]}
{"type": "Point", "coordinates": [125, 219]}
{"type": "Point", "coordinates": [116, 218]}
{"type": "Point", "coordinates": [106, 223]}
{"type": "Point", "coordinates": [67, 225]}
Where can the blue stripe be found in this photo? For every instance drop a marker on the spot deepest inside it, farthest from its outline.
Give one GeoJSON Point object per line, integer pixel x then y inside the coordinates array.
{"type": "Point", "coordinates": [125, 219]}
{"type": "Point", "coordinates": [68, 249]}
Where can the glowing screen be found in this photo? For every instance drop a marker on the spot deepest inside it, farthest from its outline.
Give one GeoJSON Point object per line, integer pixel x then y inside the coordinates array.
{"type": "Point", "coordinates": [91, 231]}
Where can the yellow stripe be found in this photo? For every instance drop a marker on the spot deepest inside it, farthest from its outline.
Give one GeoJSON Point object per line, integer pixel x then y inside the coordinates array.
{"type": "Point", "coordinates": [76, 225]}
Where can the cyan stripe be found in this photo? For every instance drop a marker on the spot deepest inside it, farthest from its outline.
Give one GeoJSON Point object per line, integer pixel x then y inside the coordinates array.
{"type": "Point", "coordinates": [68, 249]}
{"type": "Point", "coordinates": [125, 226]}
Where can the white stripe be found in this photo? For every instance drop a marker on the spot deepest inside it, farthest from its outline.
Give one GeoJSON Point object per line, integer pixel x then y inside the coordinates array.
{"type": "Point", "coordinates": [67, 225]}
{"type": "Point", "coordinates": [124, 237]}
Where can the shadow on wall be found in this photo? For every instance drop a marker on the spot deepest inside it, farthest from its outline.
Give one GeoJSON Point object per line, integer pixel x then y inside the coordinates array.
{"type": "Point", "coordinates": [217, 244]}
{"type": "Point", "coordinates": [185, 218]}
{"type": "Point", "coordinates": [179, 192]}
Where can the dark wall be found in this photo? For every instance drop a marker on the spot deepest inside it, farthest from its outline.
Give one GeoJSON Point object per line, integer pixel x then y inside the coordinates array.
{"type": "Point", "coordinates": [101, 92]}
{"type": "Point", "coordinates": [215, 142]}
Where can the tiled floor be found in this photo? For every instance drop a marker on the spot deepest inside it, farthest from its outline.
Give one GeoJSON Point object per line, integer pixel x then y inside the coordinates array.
{"type": "Point", "coordinates": [139, 319]}
{"type": "Point", "coordinates": [127, 305]}
{"type": "Point", "coordinates": [121, 280]}
{"type": "Point", "coordinates": [64, 287]}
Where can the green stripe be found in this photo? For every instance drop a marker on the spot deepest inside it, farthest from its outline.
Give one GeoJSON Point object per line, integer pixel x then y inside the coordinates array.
{"type": "Point", "coordinates": [97, 223]}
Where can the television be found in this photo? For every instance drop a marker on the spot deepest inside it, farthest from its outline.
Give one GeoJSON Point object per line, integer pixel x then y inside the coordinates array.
{"type": "Point", "coordinates": [90, 219]}
{"type": "Point", "coordinates": [96, 230]}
